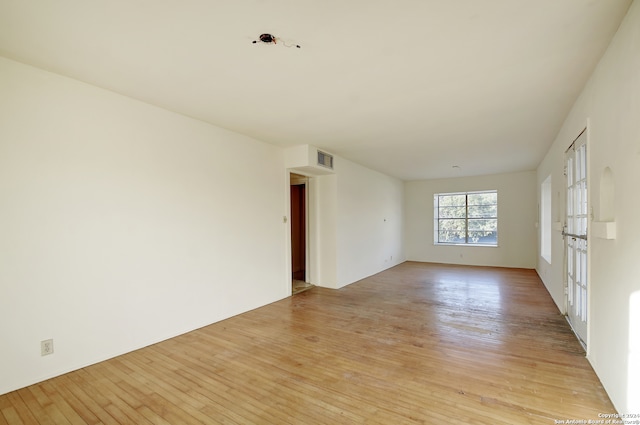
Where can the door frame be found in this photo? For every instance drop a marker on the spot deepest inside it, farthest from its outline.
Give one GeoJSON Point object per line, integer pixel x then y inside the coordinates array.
{"type": "Point", "coordinates": [296, 178]}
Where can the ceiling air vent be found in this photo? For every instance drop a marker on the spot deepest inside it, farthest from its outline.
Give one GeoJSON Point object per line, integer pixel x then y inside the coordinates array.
{"type": "Point", "coordinates": [325, 160]}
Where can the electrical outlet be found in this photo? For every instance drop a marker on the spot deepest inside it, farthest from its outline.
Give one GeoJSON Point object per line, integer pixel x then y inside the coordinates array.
{"type": "Point", "coordinates": [46, 347]}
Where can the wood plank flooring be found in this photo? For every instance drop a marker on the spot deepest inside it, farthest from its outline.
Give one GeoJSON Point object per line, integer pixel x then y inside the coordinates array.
{"type": "Point", "coordinates": [417, 344]}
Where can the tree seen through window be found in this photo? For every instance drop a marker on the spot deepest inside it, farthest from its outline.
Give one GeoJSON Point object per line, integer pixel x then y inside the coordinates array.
{"type": "Point", "coordinates": [467, 218]}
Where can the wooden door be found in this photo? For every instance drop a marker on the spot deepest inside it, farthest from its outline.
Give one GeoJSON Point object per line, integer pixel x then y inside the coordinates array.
{"type": "Point", "coordinates": [298, 232]}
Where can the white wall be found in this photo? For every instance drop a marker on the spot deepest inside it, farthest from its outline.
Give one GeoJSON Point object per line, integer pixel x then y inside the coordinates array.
{"type": "Point", "coordinates": [359, 224]}
{"type": "Point", "coordinates": [369, 222]}
{"type": "Point", "coordinates": [122, 224]}
{"type": "Point", "coordinates": [323, 213]}
{"type": "Point", "coordinates": [610, 105]}
{"type": "Point", "coordinates": [517, 214]}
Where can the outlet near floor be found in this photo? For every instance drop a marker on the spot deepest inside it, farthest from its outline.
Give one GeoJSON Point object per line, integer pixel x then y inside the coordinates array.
{"type": "Point", "coordinates": [46, 347]}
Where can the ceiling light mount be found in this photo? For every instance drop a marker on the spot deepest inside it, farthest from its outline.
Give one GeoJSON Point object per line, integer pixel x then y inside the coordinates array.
{"type": "Point", "coordinates": [272, 39]}
{"type": "Point", "coordinates": [267, 38]}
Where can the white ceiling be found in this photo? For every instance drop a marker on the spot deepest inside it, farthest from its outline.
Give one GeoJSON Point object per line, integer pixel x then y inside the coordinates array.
{"type": "Point", "coordinates": [407, 87]}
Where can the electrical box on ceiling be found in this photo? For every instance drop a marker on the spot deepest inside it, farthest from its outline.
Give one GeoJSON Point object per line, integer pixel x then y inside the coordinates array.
{"type": "Point", "coordinates": [309, 160]}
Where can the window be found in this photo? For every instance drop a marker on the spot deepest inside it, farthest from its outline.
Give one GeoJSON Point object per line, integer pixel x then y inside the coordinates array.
{"type": "Point", "coordinates": [468, 218]}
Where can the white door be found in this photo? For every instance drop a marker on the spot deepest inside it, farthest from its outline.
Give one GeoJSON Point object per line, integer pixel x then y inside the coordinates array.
{"type": "Point", "coordinates": [576, 237]}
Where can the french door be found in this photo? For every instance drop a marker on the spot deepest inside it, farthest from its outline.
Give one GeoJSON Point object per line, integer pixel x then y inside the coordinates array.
{"type": "Point", "coordinates": [575, 235]}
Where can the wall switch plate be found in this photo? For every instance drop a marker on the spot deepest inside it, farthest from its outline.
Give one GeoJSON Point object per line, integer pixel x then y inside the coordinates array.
{"type": "Point", "coordinates": [46, 347]}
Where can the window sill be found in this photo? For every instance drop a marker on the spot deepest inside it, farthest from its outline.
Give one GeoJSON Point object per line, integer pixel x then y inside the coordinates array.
{"type": "Point", "coordinates": [467, 244]}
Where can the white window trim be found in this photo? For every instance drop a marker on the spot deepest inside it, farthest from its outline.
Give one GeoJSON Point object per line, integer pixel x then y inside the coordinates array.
{"type": "Point", "coordinates": [436, 219]}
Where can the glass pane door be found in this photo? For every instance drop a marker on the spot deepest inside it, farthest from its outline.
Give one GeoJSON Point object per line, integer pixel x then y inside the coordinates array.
{"type": "Point", "coordinates": [576, 237]}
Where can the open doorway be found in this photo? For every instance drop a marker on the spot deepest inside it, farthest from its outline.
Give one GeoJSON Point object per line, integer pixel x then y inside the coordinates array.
{"type": "Point", "coordinates": [299, 234]}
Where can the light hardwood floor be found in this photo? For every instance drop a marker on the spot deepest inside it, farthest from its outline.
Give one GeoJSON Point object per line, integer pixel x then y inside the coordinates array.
{"type": "Point", "coordinates": [419, 343]}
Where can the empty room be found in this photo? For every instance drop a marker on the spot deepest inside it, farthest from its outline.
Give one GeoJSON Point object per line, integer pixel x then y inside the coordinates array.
{"type": "Point", "coordinates": [286, 212]}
